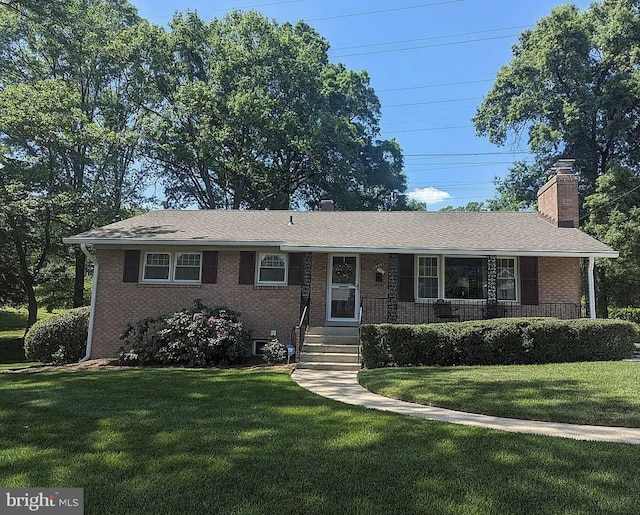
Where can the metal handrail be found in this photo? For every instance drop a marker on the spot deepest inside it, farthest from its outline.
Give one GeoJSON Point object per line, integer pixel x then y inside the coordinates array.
{"type": "Point", "coordinates": [360, 331]}
{"type": "Point", "coordinates": [299, 330]}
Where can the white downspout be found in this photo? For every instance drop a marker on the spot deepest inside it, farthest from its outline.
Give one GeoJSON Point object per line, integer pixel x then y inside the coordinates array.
{"type": "Point", "coordinates": [94, 289]}
{"type": "Point", "coordinates": [592, 287]}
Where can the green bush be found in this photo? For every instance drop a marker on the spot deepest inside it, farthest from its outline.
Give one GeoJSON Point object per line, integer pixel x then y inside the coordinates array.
{"type": "Point", "coordinates": [59, 339]}
{"type": "Point", "coordinates": [630, 314]}
{"type": "Point", "coordinates": [197, 337]}
{"type": "Point", "coordinates": [497, 342]}
{"type": "Point", "coordinates": [274, 352]}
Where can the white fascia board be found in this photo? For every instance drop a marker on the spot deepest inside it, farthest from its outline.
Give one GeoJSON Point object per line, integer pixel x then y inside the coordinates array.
{"type": "Point", "coordinates": [457, 252]}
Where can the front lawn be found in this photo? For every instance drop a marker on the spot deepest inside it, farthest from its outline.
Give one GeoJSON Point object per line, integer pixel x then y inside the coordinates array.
{"type": "Point", "coordinates": [240, 442]}
{"type": "Point", "coordinates": [12, 324]}
{"type": "Point", "coordinates": [601, 393]}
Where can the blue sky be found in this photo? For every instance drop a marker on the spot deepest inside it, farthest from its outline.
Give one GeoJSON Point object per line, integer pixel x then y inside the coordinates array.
{"type": "Point", "coordinates": [430, 62]}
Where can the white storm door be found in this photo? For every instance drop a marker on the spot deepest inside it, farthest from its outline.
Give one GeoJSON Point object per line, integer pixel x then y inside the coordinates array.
{"type": "Point", "coordinates": [343, 298]}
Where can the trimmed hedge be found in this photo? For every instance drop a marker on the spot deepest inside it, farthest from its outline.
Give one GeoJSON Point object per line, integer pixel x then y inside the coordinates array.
{"type": "Point", "coordinates": [630, 314]}
{"type": "Point", "coordinates": [497, 342]}
{"type": "Point", "coordinates": [59, 339]}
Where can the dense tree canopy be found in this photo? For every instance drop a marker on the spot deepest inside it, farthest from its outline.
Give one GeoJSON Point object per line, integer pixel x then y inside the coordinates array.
{"type": "Point", "coordinates": [68, 125]}
{"type": "Point", "coordinates": [239, 112]}
{"type": "Point", "coordinates": [251, 114]}
{"type": "Point", "coordinates": [572, 89]}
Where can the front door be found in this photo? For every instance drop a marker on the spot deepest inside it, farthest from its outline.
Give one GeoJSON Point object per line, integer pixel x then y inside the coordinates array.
{"type": "Point", "coordinates": [343, 294]}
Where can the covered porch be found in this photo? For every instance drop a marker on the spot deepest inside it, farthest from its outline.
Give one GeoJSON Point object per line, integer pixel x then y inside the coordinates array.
{"type": "Point", "coordinates": [382, 310]}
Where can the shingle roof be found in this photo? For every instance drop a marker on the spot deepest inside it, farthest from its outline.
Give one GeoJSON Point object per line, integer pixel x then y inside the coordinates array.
{"type": "Point", "coordinates": [465, 232]}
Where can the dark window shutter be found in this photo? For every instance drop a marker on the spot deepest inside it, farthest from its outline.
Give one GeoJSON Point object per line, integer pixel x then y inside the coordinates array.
{"type": "Point", "coordinates": [295, 268]}
{"type": "Point", "coordinates": [209, 267]}
{"type": "Point", "coordinates": [405, 278]}
{"type": "Point", "coordinates": [247, 272]}
{"type": "Point", "coordinates": [131, 267]}
{"type": "Point", "coordinates": [529, 280]}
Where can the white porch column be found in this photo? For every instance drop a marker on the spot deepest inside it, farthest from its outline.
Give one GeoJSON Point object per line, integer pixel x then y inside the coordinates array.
{"type": "Point", "coordinates": [592, 287]}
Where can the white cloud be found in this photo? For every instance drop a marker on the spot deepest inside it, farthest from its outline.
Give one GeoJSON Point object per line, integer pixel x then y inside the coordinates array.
{"type": "Point", "coordinates": [429, 195]}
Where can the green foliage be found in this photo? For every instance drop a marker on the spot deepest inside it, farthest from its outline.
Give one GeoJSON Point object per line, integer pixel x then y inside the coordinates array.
{"type": "Point", "coordinates": [59, 339]}
{"type": "Point", "coordinates": [572, 87]}
{"type": "Point", "coordinates": [274, 352]}
{"type": "Point", "coordinates": [251, 114]}
{"type": "Point", "coordinates": [56, 287]}
{"type": "Point", "coordinates": [614, 218]}
{"type": "Point", "coordinates": [499, 341]}
{"type": "Point", "coordinates": [69, 128]}
{"type": "Point", "coordinates": [196, 337]}
{"type": "Point", "coordinates": [630, 314]}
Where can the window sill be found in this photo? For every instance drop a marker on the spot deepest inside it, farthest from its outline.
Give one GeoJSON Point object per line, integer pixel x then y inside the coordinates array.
{"type": "Point", "coordinates": [169, 285]}
{"type": "Point", "coordinates": [270, 286]}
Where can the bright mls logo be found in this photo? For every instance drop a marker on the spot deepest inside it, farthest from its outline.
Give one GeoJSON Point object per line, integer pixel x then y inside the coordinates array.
{"type": "Point", "coordinates": [52, 501]}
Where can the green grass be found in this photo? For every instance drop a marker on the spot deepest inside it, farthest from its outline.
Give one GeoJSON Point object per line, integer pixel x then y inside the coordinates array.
{"type": "Point", "coordinates": [12, 324]}
{"type": "Point", "coordinates": [601, 393]}
{"type": "Point", "coordinates": [165, 441]}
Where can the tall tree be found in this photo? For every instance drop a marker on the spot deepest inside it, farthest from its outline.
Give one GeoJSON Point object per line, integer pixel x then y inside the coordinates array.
{"type": "Point", "coordinates": [614, 217]}
{"type": "Point", "coordinates": [573, 88]}
{"type": "Point", "coordinates": [251, 114]}
{"type": "Point", "coordinates": [85, 50]}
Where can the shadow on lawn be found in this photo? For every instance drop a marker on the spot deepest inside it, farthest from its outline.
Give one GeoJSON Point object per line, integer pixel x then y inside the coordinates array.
{"type": "Point", "coordinates": [182, 441]}
{"type": "Point", "coordinates": [557, 400]}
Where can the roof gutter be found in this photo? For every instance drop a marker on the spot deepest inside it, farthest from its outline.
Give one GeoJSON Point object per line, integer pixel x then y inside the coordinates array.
{"type": "Point", "coordinates": [92, 311]}
{"type": "Point", "coordinates": [457, 252]}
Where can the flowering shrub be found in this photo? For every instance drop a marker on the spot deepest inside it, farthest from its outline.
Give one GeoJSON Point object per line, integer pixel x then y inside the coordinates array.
{"type": "Point", "coordinates": [274, 352]}
{"type": "Point", "coordinates": [197, 337]}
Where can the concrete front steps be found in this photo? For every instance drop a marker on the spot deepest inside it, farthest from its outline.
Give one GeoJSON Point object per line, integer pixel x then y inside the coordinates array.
{"type": "Point", "coordinates": [330, 348]}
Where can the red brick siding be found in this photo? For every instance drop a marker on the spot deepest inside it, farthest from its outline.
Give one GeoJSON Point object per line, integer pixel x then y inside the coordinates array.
{"type": "Point", "coordinates": [263, 308]}
{"type": "Point", "coordinates": [368, 285]}
{"type": "Point", "coordinates": [559, 280]}
{"type": "Point", "coordinates": [318, 311]}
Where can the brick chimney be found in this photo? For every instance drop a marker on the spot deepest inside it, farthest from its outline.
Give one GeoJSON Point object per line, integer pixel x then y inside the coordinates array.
{"type": "Point", "coordinates": [326, 205]}
{"type": "Point", "coordinates": [558, 198]}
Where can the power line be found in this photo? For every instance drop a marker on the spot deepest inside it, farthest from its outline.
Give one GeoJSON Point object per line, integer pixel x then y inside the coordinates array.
{"type": "Point", "coordinates": [610, 202]}
{"type": "Point", "coordinates": [457, 154]}
{"type": "Point", "coordinates": [431, 129]}
{"type": "Point", "coordinates": [436, 45]}
{"type": "Point", "coordinates": [444, 36]}
{"type": "Point", "coordinates": [382, 11]}
{"type": "Point", "coordinates": [427, 86]}
{"type": "Point", "coordinates": [432, 102]}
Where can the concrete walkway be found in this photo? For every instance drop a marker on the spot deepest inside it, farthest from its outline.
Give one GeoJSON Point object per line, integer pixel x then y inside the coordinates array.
{"type": "Point", "coordinates": [344, 387]}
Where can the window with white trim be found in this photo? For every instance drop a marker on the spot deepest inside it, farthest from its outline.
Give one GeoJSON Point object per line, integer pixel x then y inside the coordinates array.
{"type": "Point", "coordinates": [506, 279]}
{"type": "Point", "coordinates": [272, 269]}
{"type": "Point", "coordinates": [157, 266]}
{"type": "Point", "coordinates": [187, 267]}
{"type": "Point", "coordinates": [427, 277]}
{"type": "Point", "coordinates": [166, 267]}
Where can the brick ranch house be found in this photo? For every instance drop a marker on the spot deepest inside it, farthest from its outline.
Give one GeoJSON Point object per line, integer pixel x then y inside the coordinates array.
{"type": "Point", "coordinates": [338, 269]}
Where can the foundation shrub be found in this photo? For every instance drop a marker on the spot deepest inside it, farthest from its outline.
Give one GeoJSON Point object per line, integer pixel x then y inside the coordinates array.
{"type": "Point", "coordinates": [196, 337]}
{"type": "Point", "coordinates": [274, 352]}
{"type": "Point", "coordinates": [630, 314]}
{"type": "Point", "coordinates": [497, 342]}
{"type": "Point", "coordinates": [59, 339]}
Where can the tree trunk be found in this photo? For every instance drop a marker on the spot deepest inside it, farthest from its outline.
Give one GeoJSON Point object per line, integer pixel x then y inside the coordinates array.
{"type": "Point", "coordinates": [32, 304]}
{"type": "Point", "coordinates": [78, 281]}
